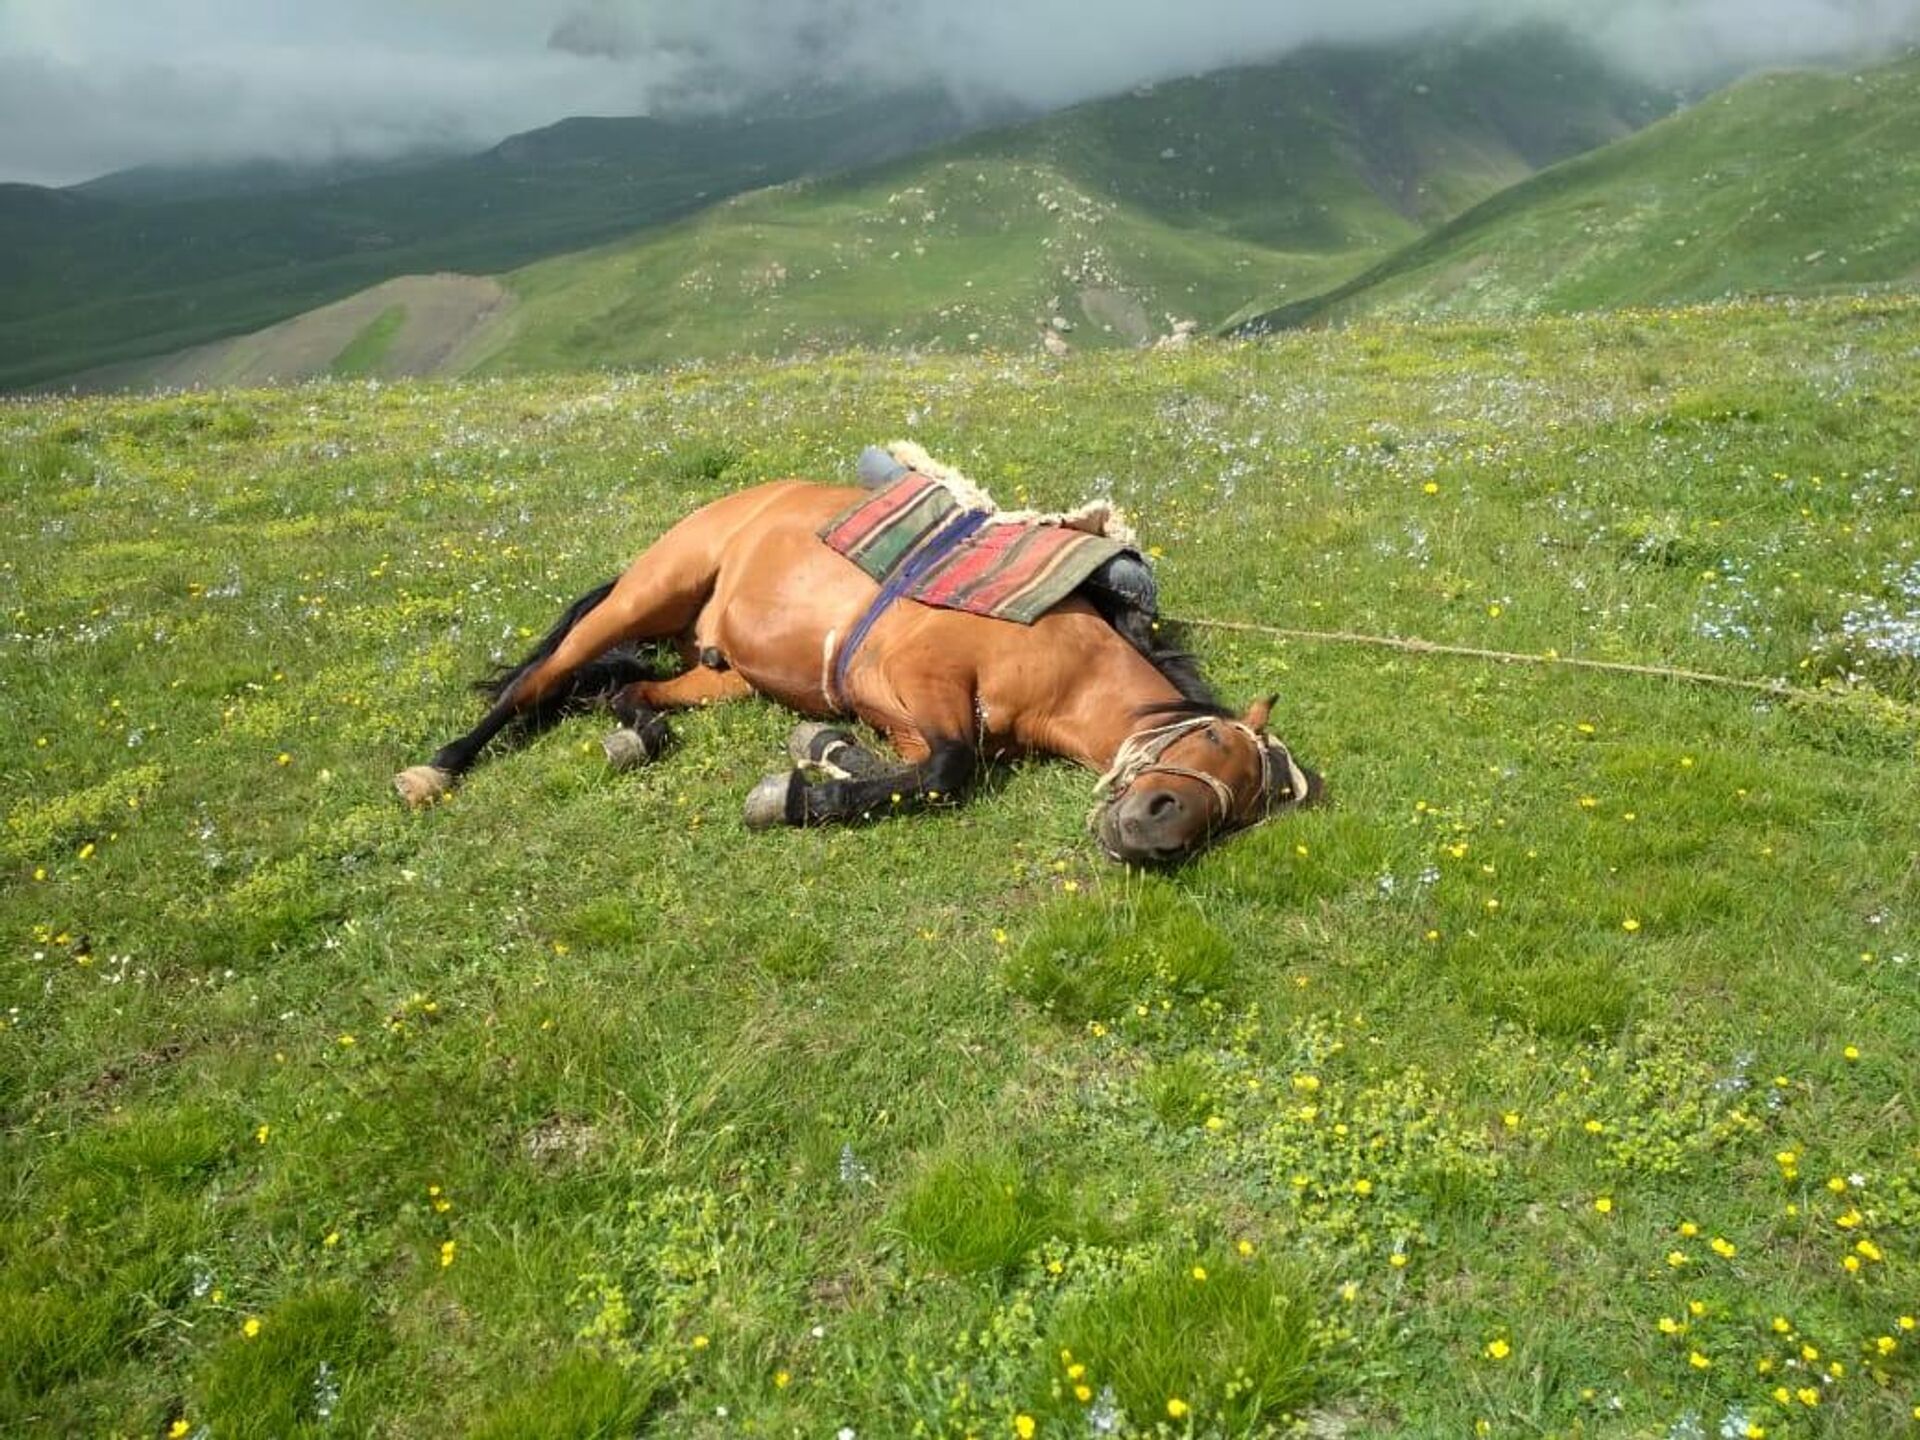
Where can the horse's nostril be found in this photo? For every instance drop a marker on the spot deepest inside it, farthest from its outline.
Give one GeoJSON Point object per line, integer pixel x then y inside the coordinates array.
{"type": "Point", "coordinates": [1162, 805]}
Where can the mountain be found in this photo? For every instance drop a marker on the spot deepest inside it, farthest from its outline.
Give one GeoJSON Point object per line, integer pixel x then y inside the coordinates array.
{"type": "Point", "coordinates": [1104, 224]}
{"type": "Point", "coordinates": [1791, 182]}
{"type": "Point", "coordinates": [116, 269]}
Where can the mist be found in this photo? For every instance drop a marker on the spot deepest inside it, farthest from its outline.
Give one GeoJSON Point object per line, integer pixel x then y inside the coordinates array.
{"type": "Point", "coordinates": [88, 86]}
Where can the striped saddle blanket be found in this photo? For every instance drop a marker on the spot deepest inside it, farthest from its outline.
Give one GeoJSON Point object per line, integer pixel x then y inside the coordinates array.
{"type": "Point", "coordinates": [948, 554]}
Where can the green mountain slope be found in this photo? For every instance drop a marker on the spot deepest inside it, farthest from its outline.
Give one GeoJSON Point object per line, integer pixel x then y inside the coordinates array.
{"type": "Point", "coordinates": [1116, 217]}
{"type": "Point", "coordinates": [88, 276]}
{"type": "Point", "coordinates": [1182, 201]}
{"type": "Point", "coordinates": [1787, 182]}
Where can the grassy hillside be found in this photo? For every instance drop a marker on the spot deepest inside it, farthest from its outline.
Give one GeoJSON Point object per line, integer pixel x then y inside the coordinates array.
{"type": "Point", "coordinates": [1555, 1079]}
{"type": "Point", "coordinates": [87, 281]}
{"type": "Point", "coordinates": [1183, 201]}
{"type": "Point", "coordinates": [1186, 200]}
{"type": "Point", "coordinates": [1789, 182]}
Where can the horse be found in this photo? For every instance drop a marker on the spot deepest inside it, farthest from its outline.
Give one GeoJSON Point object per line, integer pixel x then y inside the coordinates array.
{"type": "Point", "coordinates": [750, 601]}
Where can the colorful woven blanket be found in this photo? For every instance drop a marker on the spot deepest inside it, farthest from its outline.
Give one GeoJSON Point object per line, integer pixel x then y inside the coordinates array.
{"type": "Point", "coordinates": [1010, 570]}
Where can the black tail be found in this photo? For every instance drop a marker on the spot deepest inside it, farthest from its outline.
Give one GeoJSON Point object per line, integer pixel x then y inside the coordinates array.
{"type": "Point", "coordinates": [594, 681]}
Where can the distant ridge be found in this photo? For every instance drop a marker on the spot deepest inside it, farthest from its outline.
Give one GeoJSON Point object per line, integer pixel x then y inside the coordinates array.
{"type": "Point", "coordinates": [1111, 223]}
{"type": "Point", "coordinates": [1798, 181]}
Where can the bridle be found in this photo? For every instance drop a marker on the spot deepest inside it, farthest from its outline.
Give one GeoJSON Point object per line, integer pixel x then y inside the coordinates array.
{"type": "Point", "coordinates": [1139, 754]}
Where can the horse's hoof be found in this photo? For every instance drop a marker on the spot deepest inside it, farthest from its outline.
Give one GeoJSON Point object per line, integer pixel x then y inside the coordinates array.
{"type": "Point", "coordinates": [627, 748]}
{"type": "Point", "coordinates": [422, 784]}
{"type": "Point", "coordinates": [767, 802]}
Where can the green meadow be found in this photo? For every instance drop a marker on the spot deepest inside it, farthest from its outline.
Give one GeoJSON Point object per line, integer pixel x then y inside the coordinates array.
{"type": "Point", "coordinates": [1556, 1078]}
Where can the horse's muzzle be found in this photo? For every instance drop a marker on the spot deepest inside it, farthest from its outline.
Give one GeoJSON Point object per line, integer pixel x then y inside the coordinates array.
{"type": "Point", "coordinates": [1151, 827]}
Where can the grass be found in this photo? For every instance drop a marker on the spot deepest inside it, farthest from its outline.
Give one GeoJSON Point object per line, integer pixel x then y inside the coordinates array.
{"type": "Point", "coordinates": [1570, 1042]}
{"type": "Point", "coordinates": [363, 353]}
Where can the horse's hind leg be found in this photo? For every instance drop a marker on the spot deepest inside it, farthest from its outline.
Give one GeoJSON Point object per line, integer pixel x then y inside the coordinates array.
{"type": "Point", "coordinates": [643, 735]}
{"type": "Point", "coordinates": [657, 597]}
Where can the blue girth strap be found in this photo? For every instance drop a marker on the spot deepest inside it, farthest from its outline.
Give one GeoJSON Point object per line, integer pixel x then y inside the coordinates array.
{"type": "Point", "coordinates": [898, 584]}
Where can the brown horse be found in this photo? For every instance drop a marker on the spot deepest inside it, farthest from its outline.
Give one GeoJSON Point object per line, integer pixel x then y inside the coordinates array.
{"type": "Point", "coordinates": [754, 602]}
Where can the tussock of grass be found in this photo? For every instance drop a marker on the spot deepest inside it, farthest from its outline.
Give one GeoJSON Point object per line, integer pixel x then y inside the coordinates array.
{"type": "Point", "coordinates": [584, 1397]}
{"type": "Point", "coordinates": [298, 1369]}
{"type": "Point", "coordinates": [979, 1213]}
{"type": "Point", "coordinates": [1093, 958]}
{"type": "Point", "coordinates": [1235, 1346]}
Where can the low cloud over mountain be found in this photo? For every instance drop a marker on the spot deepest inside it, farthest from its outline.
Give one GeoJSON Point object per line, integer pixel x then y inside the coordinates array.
{"type": "Point", "coordinates": [91, 85]}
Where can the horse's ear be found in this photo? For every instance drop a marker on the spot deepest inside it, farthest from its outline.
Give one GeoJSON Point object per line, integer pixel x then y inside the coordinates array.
{"type": "Point", "coordinates": [1259, 712]}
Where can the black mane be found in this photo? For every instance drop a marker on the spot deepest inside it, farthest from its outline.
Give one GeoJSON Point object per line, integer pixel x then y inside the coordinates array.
{"type": "Point", "coordinates": [1158, 641]}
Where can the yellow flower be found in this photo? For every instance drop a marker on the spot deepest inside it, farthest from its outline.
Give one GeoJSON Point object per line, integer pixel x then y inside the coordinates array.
{"type": "Point", "coordinates": [700, 1342]}
{"type": "Point", "coordinates": [1023, 1426]}
{"type": "Point", "coordinates": [1676, 1258]}
{"type": "Point", "coordinates": [251, 1326]}
{"type": "Point", "coordinates": [283, 758]}
{"type": "Point", "coordinates": [1906, 1322]}
{"type": "Point", "coordinates": [1199, 1272]}
{"type": "Point", "coordinates": [1245, 1247]}
{"type": "Point", "coordinates": [1076, 1371]}
{"type": "Point", "coordinates": [1593, 1127]}
{"type": "Point", "coordinates": [178, 1428]}
{"type": "Point", "coordinates": [1782, 1395]}
{"type": "Point", "coordinates": [1511, 1119]}
{"type": "Point", "coordinates": [447, 1247]}
{"type": "Point", "coordinates": [1869, 1250]}
{"type": "Point", "coordinates": [1689, 1229]}
{"type": "Point", "coordinates": [1630, 925]}
{"type": "Point", "coordinates": [1809, 1354]}
{"type": "Point", "coordinates": [1082, 1393]}
{"type": "Point", "coordinates": [332, 1239]}
{"type": "Point", "coordinates": [1724, 1248]}
{"type": "Point", "coordinates": [1430, 488]}
{"type": "Point", "coordinates": [1670, 1326]}
{"type": "Point", "coordinates": [781, 1379]}
{"type": "Point", "coordinates": [260, 1135]}
{"type": "Point", "coordinates": [1807, 1395]}
{"type": "Point", "coordinates": [1176, 1407]}
{"type": "Point", "coordinates": [1851, 1264]}
{"type": "Point", "coordinates": [1698, 1361]}
{"type": "Point", "coordinates": [1852, 1052]}
{"type": "Point", "coordinates": [1696, 1308]}
{"type": "Point", "coordinates": [1782, 1325]}
{"type": "Point", "coordinates": [1398, 1259]}
{"type": "Point", "coordinates": [1498, 1349]}
{"type": "Point", "coordinates": [1604, 1204]}
{"type": "Point", "coordinates": [1215, 1122]}
{"type": "Point", "coordinates": [1837, 1184]}
{"type": "Point", "coordinates": [1363, 1186]}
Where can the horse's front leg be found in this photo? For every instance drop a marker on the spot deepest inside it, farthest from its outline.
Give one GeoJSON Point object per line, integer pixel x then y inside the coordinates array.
{"type": "Point", "coordinates": [864, 787]}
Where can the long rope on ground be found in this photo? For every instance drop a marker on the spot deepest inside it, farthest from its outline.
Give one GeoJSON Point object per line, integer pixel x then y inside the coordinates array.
{"type": "Point", "coordinates": [1780, 689]}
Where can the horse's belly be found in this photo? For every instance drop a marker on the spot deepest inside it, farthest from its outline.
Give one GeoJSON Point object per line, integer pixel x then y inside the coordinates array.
{"type": "Point", "coordinates": [779, 612]}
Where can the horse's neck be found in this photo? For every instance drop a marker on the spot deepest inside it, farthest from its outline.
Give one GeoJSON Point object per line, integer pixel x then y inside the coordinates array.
{"type": "Point", "coordinates": [1106, 705]}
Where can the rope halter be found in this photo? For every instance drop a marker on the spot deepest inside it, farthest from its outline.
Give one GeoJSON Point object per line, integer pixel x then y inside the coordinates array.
{"type": "Point", "coordinates": [1139, 754]}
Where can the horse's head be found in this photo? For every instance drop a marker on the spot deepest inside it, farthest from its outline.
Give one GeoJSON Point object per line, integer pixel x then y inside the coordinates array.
{"type": "Point", "coordinates": [1175, 787]}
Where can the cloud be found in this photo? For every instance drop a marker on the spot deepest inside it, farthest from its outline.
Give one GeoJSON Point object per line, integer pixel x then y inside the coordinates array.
{"type": "Point", "coordinates": [89, 85]}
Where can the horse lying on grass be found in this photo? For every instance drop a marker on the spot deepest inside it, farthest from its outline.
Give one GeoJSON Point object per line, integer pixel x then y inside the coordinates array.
{"type": "Point", "coordinates": [753, 602]}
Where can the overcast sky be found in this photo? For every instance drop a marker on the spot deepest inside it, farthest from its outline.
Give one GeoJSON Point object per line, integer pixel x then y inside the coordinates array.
{"type": "Point", "coordinates": [88, 86]}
